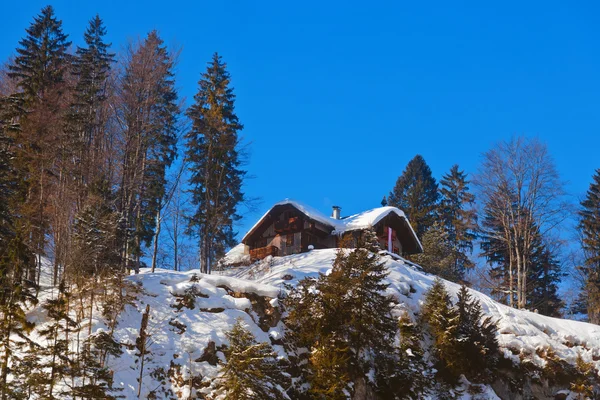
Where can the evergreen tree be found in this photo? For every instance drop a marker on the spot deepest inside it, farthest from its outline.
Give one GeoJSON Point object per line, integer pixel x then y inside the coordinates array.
{"type": "Point", "coordinates": [87, 119]}
{"type": "Point", "coordinates": [150, 108]}
{"type": "Point", "coordinates": [384, 202]}
{"type": "Point", "coordinates": [442, 318]}
{"type": "Point", "coordinates": [438, 256]}
{"type": "Point", "coordinates": [251, 369]}
{"type": "Point", "coordinates": [344, 317]}
{"type": "Point", "coordinates": [458, 217]}
{"type": "Point", "coordinates": [39, 70]}
{"type": "Point", "coordinates": [404, 373]}
{"type": "Point", "coordinates": [212, 151]}
{"type": "Point", "coordinates": [15, 294]}
{"type": "Point", "coordinates": [42, 57]}
{"type": "Point", "coordinates": [56, 356]}
{"type": "Point", "coordinates": [478, 348]}
{"type": "Point", "coordinates": [416, 193]}
{"type": "Point", "coordinates": [589, 226]}
{"type": "Point", "coordinates": [95, 379]}
{"type": "Point", "coordinates": [545, 273]}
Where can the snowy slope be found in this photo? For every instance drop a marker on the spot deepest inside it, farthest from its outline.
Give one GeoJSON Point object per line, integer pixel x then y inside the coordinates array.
{"type": "Point", "coordinates": [521, 333]}
{"type": "Point", "coordinates": [180, 336]}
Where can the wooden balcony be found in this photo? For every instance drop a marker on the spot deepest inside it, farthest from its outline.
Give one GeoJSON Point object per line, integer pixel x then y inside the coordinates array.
{"type": "Point", "coordinates": [262, 252]}
{"type": "Point", "coordinates": [288, 225]}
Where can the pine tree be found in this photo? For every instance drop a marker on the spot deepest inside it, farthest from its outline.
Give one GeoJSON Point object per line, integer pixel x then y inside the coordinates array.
{"type": "Point", "coordinates": [544, 275]}
{"type": "Point", "coordinates": [86, 120]}
{"type": "Point", "coordinates": [458, 217]}
{"type": "Point", "coordinates": [56, 356]}
{"type": "Point", "coordinates": [438, 256]}
{"type": "Point", "coordinates": [439, 313]}
{"type": "Point", "coordinates": [16, 292]}
{"type": "Point", "coordinates": [543, 272]}
{"type": "Point", "coordinates": [345, 318]}
{"type": "Point", "coordinates": [477, 346]}
{"type": "Point", "coordinates": [416, 193]}
{"type": "Point", "coordinates": [42, 57]}
{"type": "Point", "coordinates": [150, 108]}
{"type": "Point", "coordinates": [95, 379]}
{"type": "Point", "coordinates": [251, 369]}
{"type": "Point", "coordinates": [589, 226]}
{"type": "Point", "coordinates": [39, 70]}
{"type": "Point", "coordinates": [330, 378]}
{"type": "Point", "coordinates": [384, 202]}
{"type": "Point", "coordinates": [212, 151]}
{"type": "Point", "coordinates": [404, 373]}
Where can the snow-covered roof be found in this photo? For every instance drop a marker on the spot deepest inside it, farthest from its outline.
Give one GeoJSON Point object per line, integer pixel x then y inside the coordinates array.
{"type": "Point", "coordinates": [361, 220]}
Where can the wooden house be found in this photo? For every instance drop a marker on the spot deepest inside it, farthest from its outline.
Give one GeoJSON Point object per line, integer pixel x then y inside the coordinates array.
{"type": "Point", "coordinates": [290, 227]}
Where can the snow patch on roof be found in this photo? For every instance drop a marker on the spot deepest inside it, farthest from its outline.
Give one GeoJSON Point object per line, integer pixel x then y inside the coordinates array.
{"type": "Point", "coordinates": [361, 220]}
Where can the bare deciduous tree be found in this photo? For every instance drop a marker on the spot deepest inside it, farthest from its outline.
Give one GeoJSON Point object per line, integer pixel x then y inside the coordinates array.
{"type": "Point", "coordinates": [520, 190]}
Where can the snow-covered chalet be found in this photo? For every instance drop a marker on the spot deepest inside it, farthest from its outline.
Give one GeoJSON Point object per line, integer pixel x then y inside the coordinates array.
{"type": "Point", "coordinates": [291, 227]}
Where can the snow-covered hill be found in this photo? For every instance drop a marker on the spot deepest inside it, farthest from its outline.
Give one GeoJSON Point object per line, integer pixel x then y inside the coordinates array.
{"type": "Point", "coordinates": [185, 336]}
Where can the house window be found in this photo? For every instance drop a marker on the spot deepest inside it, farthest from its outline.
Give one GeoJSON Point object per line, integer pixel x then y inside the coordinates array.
{"type": "Point", "coordinates": [289, 240]}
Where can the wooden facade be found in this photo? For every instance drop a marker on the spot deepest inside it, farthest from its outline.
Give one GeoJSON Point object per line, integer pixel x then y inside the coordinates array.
{"type": "Point", "coordinates": [286, 230]}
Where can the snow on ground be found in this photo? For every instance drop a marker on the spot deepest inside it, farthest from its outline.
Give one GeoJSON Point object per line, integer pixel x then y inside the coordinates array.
{"type": "Point", "coordinates": [520, 334]}
{"type": "Point", "coordinates": [180, 336]}
{"type": "Point", "coordinates": [236, 256]}
{"type": "Point", "coordinates": [214, 314]}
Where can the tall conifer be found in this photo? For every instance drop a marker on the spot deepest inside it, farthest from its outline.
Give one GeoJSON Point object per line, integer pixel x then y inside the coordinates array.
{"type": "Point", "coordinates": [416, 193]}
{"type": "Point", "coordinates": [212, 152]}
{"type": "Point", "coordinates": [251, 369]}
{"type": "Point", "coordinates": [150, 109]}
{"type": "Point", "coordinates": [87, 117]}
{"type": "Point", "coordinates": [590, 230]}
{"type": "Point", "coordinates": [458, 217]}
{"type": "Point", "coordinates": [39, 69]}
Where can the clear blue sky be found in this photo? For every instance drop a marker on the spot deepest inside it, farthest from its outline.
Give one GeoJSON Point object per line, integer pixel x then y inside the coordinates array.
{"type": "Point", "coordinates": [336, 97]}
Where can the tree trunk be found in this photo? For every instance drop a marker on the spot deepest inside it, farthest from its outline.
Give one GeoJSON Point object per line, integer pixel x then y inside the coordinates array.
{"type": "Point", "coordinates": [156, 235]}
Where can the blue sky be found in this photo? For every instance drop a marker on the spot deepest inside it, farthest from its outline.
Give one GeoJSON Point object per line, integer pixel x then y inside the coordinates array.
{"type": "Point", "coordinates": [336, 97]}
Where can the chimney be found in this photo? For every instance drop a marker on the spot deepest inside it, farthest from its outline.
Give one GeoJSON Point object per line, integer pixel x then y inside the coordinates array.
{"type": "Point", "coordinates": [336, 212]}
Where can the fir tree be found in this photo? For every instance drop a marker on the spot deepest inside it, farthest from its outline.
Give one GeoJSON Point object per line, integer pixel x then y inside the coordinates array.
{"type": "Point", "coordinates": [458, 217]}
{"type": "Point", "coordinates": [384, 202]}
{"type": "Point", "coordinates": [589, 226]}
{"type": "Point", "coordinates": [543, 272]}
{"type": "Point", "coordinates": [15, 293]}
{"type": "Point", "coordinates": [475, 338]}
{"type": "Point", "coordinates": [151, 111]}
{"type": "Point", "coordinates": [344, 316]}
{"type": "Point", "coordinates": [416, 193]}
{"type": "Point", "coordinates": [42, 57]}
{"type": "Point", "coordinates": [251, 369]}
{"type": "Point", "coordinates": [95, 379]}
{"type": "Point", "coordinates": [330, 378]}
{"type": "Point", "coordinates": [86, 119]}
{"type": "Point", "coordinates": [56, 356]}
{"type": "Point", "coordinates": [212, 152]}
{"type": "Point", "coordinates": [439, 313]}
{"type": "Point", "coordinates": [544, 275]}
{"type": "Point", "coordinates": [38, 70]}
{"type": "Point", "coordinates": [438, 256]}
{"type": "Point", "coordinates": [403, 374]}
